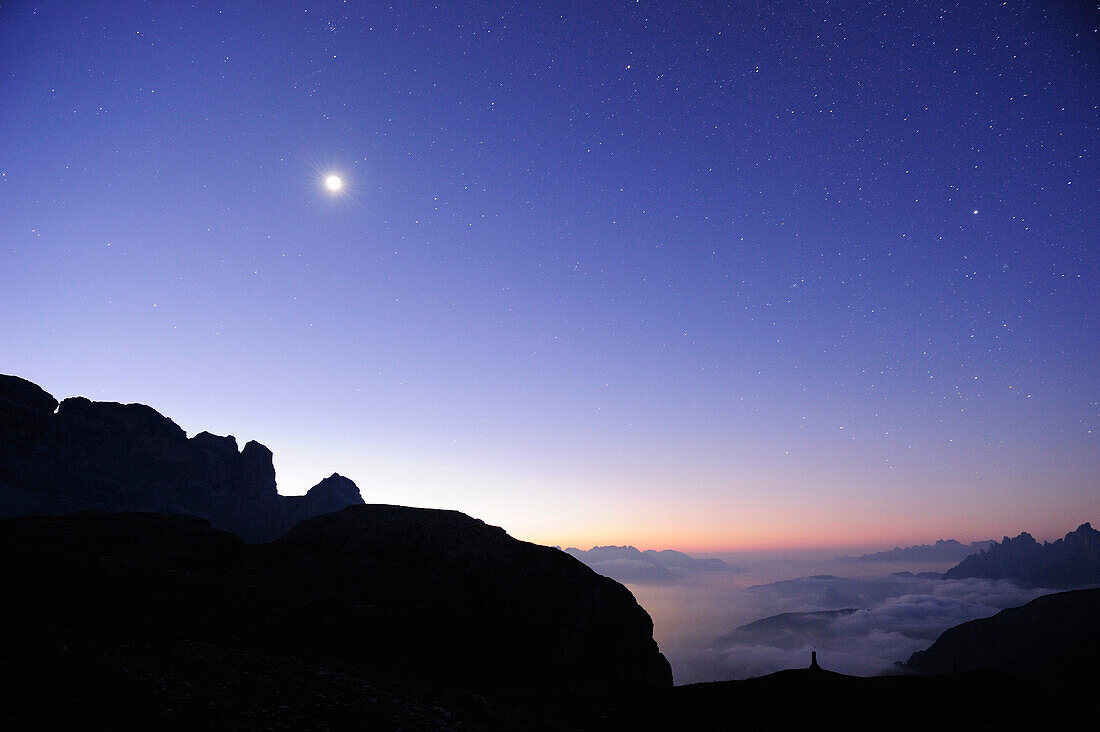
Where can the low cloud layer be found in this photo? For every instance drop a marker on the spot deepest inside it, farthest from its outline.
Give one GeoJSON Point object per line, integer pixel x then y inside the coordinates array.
{"type": "Point", "coordinates": [881, 620]}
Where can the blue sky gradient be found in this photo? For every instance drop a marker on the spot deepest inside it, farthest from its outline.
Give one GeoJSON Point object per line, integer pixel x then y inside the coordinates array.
{"type": "Point", "coordinates": [692, 275]}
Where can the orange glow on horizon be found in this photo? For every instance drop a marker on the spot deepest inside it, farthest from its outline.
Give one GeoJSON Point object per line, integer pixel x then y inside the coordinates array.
{"type": "Point", "coordinates": [770, 539]}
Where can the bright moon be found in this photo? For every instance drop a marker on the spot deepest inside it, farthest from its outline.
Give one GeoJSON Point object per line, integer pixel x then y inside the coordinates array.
{"type": "Point", "coordinates": [333, 183]}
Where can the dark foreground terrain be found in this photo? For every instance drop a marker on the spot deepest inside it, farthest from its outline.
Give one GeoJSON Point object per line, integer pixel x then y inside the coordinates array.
{"type": "Point", "coordinates": [381, 617]}
{"type": "Point", "coordinates": [163, 609]}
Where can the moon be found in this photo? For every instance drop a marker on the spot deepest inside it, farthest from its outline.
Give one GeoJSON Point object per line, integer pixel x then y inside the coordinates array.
{"type": "Point", "coordinates": [333, 183]}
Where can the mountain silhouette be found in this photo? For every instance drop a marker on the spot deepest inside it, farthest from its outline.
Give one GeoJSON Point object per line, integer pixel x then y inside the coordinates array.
{"type": "Point", "coordinates": [1054, 640]}
{"type": "Point", "coordinates": [1070, 562]}
{"type": "Point", "coordinates": [399, 597]}
{"type": "Point", "coordinates": [79, 454]}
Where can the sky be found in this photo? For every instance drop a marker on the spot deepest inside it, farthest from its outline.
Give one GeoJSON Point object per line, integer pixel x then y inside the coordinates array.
{"type": "Point", "coordinates": [709, 276]}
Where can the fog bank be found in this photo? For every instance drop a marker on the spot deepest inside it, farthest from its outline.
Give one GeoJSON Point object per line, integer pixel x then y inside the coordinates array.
{"type": "Point", "coordinates": [718, 626]}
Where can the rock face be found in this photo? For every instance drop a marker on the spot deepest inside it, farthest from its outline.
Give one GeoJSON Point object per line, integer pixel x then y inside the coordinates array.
{"type": "Point", "coordinates": [1070, 562]}
{"type": "Point", "coordinates": [434, 598]}
{"type": "Point", "coordinates": [1053, 640]}
{"type": "Point", "coordinates": [128, 457]}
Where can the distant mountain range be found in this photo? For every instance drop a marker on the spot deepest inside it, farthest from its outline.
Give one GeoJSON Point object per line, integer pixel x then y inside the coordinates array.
{"type": "Point", "coordinates": [649, 567]}
{"type": "Point", "coordinates": [1070, 562]}
{"type": "Point", "coordinates": [1073, 561]}
{"type": "Point", "coordinates": [945, 550]}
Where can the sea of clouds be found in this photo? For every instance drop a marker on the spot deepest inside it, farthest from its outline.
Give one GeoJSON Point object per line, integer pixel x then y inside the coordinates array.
{"type": "Point", "coordinates": [718, 626]}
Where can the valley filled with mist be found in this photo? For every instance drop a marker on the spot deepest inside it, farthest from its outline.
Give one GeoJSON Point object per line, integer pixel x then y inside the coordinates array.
{"type": "Point", "coordinates": [740, 615]}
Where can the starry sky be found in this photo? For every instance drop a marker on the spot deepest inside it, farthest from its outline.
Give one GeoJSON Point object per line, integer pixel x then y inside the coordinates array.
{"type": "Point", "coordinates": [699, 275]}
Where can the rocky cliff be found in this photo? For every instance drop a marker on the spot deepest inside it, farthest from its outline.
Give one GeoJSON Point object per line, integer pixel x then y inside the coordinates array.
{"type": "Point", "coordinates": [79, 454]}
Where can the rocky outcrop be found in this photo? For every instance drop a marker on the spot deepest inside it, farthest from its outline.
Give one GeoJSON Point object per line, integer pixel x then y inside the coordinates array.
{"type": "Point", "coordinates": [26, 395]}
{"type": "Point", "coordinates": [1053, 640]}
{"type": "Point", "coordinates": [1070, 562]}
{"type": "Point", "coordinates": [435, 598]}
{"type": "Point", "coordinates": [331, 494]}
{"type": "Point", "coordinates": [79, 454]}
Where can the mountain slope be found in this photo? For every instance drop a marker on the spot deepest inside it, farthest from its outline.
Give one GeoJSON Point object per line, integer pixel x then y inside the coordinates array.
{"type": "Point", "coordinates": [1053, 640]}
{"type": "Point", "coordinates": [397, 597]}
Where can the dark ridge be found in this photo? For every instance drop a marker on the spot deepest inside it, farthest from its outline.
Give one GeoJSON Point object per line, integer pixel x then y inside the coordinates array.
{"type": "Point", "coordinates": [432, 597]}
{"type": "Point", "coordinates": [1054, 640]}
{"type": "Point", "coordinates": [814, 698]}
